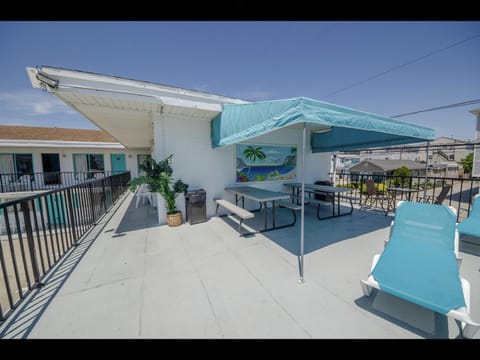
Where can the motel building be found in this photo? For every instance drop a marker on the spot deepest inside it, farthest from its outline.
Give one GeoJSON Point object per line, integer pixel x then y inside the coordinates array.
{"type": "Point", "coordinates": [42, 158]}
{"type": "Point", "coordinates": [148, 118]}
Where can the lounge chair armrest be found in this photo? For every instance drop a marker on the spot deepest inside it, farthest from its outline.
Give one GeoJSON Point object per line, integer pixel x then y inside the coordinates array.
{"type": "Point", "coordinates": [385, 243]}
{"type": "Point", "coordinates": [370, 283]}
{"type": "Point", "coordinates": [456, 245]}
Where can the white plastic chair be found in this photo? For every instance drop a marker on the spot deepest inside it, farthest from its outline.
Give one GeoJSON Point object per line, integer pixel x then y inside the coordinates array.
{"type": "Point", "coordinates": [142, 194]}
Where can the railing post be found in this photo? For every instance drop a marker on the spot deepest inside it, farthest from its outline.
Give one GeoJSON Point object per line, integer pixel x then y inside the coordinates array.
{"type": "Point", "coordinates": [111, 189]}
{"type": "Point", "coordinates": [31, 245]}
{"type": "Point", "coordinates": [360, 188]}
{"type": "Point", "coordinates": [90, 190]}
{"type": "Point", "coordinates": [72, 217]}
{"type": "Point", "coordinates": [104, 195]}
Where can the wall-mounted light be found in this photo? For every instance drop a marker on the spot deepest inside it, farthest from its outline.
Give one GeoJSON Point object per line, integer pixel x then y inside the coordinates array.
{"type": "Point", "coordinates": [64, 155]}
{"type": "Point", "coordinates": [129, 155]}
{"type": "Point", "coordinates": [43, 78]}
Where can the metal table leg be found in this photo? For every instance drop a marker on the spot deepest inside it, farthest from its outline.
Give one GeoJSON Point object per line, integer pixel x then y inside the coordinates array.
{"type": "Point", "coordinates": [273, 213]}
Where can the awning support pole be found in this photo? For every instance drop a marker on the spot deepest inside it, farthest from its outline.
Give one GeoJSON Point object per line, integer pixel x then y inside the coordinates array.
{"type": "Point", "coordinates": [302, 222]}
{"type": "Point", "coordinates": [426, 176]}
{"type": "Point", "coordinates": [334, 180]}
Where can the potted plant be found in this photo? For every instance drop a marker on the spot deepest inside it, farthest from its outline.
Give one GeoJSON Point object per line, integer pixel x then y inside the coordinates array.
{"type": "Point", "coordinates": [159, 178]}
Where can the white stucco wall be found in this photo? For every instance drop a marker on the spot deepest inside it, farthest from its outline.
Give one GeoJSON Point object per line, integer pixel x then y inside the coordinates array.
{"type": "Point", "coordinates": [66, 156]}
{"type": "Point", "coordinates": [200, 166]}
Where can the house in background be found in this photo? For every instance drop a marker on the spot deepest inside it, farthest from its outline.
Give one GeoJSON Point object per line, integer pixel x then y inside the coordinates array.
{"type": "Point", "coordinates": [386, 167]}
{"type": "Point", "coordinates": [50, 154]}
{"type": "Point", "coordinates": [343, 162]}
{"type": "Point", "coordinates": [444, 155]}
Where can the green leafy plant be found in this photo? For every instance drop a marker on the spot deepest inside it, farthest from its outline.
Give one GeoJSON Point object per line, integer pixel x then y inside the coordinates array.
{"type": "Point", "coordinates": [159, 178]}
{"type": "Point", "coordinates": [401, 174]}
{"type": "Point", "coordinates": [467, 163]}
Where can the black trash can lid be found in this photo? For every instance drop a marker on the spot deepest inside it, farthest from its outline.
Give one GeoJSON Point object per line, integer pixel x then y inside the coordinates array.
{"type": "Point", "coordinates": [195, 191]}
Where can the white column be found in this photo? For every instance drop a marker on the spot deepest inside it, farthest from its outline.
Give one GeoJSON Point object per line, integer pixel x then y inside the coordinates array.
{"type": "Point", "coordinates": [476, 148]}
{"type": "Point", "coordinates": [159, 153]}
{"type": "Point", "coordinates": [159, 136]}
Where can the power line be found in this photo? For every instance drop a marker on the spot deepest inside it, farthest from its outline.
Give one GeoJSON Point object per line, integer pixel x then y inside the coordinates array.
{"type": "Point", "coordinates": [464, 103]}
{"type": "Point", "coordinates": [401, 65]}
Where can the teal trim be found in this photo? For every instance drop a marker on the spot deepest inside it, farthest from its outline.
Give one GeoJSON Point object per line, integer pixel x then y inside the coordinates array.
{"type": "Point", "coordinates": [55, 209]}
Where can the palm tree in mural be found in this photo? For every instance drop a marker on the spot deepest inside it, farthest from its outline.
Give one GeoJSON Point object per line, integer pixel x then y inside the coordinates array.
{"type": "Point", "coordinates": [253, 153]}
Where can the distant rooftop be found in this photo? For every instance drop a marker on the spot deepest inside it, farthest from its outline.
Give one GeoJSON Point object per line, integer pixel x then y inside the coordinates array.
{"type": "Point", "coordinates": [9, 132]}
{"type": "Point", "coordinates": [388, 165]}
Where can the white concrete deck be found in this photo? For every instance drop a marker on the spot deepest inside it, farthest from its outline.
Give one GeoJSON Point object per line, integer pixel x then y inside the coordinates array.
{"type": "Point", "coordinates": [139, 280]}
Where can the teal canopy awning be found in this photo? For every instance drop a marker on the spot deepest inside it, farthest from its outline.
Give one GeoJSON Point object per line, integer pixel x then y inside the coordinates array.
{"type": "Point", "coordinates": [335, 128]}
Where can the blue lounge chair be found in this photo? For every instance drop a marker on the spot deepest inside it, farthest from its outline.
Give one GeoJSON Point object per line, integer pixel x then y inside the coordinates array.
{"type": "Point", "coordinates": [471, 225]}
{"type": "Point", "coordinates": [419, 264]}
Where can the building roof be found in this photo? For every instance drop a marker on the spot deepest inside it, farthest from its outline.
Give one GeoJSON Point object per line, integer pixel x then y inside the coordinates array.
{"type": "Point", "coordinates": [10, 132]}
{"type": "Point", "coordinates": [389, 165]}
{"type": "Point", "coordinates": [123, 107]}
{"type": "Point", "coordinates": [447, 140]}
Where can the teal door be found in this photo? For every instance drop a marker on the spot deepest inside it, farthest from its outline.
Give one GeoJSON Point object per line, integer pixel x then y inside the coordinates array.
{"type": "Point", "coordinates": [57, 212]}
{"type": "Point", "coordinates": [55, 209]}
{"type": "Point", "coordinates": [118, 162]}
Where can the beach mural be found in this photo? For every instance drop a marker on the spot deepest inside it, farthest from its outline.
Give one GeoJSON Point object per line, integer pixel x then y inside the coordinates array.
{"type": "Point", "coordinates": [265, 162]}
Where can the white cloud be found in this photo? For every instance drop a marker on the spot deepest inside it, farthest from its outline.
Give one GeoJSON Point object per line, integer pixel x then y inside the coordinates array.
{"type": "Point", "coordinates": [32, 103]}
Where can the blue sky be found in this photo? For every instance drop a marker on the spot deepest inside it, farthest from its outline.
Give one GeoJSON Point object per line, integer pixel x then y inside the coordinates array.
{"type": "Point", "coordinates": [255, 61]}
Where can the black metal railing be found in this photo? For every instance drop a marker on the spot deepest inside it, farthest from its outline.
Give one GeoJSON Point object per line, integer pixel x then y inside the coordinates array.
{"type": "Point", "coordinates": [460, 195]}
{"type": "Point", "coordinates": [16, 182]}
{"type": "Point", "coordinates": [36, 232]}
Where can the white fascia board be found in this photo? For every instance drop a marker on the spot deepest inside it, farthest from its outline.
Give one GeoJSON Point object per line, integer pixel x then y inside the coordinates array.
{"type": "Point", "coordinates": [97, 81]}
{"type": "Point", "coordinates": [60, 144]}
{"type": "Point", "coordinates": [146, 98]}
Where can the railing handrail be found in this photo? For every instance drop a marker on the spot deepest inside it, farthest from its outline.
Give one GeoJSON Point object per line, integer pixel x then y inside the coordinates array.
{"type": "Point", "coordinates": [13, 182]}
{"type": "Point", "coordinates": [460, 195]}
{"type": "Point", "coordinates": [47, 192]}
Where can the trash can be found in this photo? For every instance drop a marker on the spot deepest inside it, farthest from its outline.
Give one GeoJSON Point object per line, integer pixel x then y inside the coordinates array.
{"type": "Point", "coordinates": [196, 206]}
{"type": "Point", "coordinates": [320, 196]}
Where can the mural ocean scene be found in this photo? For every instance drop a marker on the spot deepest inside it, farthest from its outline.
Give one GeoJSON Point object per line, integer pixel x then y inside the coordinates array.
{"type": "Point", "coordinates": [265, 162]}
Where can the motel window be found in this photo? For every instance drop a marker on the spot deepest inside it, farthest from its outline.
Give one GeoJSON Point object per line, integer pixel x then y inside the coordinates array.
{"type": "Point", "coordinates": [18, 164]}
{"type": "Point", "coordinates": [88, 164]}
{"type": "Point", "coordinates": [140, 159]}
